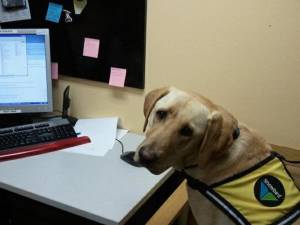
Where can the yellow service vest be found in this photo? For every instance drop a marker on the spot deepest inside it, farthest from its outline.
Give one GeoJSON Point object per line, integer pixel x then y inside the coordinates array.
{"type": "Point", "coordinates": [265, 194]}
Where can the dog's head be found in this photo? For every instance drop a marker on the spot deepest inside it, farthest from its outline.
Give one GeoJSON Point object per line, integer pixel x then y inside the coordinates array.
{"type": "Point", "coordinates": [182, 129]}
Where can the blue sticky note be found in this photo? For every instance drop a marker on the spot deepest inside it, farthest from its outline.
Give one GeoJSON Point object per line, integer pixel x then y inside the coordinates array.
{"type": "Point", "coordinates": [54, 12]}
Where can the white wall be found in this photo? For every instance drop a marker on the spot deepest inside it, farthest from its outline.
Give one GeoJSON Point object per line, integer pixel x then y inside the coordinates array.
{"type": "Point", "coordinates": [244, 55]}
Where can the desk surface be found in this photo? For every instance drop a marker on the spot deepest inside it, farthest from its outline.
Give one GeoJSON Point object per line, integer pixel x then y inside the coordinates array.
{"type": "Point", "coordinates": [103, 189]}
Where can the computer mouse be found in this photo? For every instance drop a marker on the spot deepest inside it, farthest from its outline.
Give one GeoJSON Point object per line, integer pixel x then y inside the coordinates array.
{"type": "Point", "coordinates": [128, 157]}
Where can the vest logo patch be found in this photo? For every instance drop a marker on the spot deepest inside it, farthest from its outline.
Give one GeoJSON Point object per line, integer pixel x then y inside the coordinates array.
{"type": "Point", "coordinates": [269, 191]}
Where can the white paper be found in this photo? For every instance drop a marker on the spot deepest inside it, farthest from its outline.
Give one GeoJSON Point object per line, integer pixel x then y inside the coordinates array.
{"type": "Point", "coordinates": [121, 133]}
{"type": "Point", "coordinates": [14, 14]}
{"type": "Point", "coordinates": [101, 131]}
{"type": "Point", "coordinates": [79, 6]}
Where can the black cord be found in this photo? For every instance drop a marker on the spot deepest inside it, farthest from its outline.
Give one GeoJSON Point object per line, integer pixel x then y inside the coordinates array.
{"type": "Point", "coordinates": [122, 146]}
{"type": "Point", "coordinates": [128, 157]}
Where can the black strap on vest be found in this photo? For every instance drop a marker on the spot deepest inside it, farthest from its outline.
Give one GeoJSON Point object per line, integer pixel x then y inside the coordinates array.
{"type": "Point", "coordinates": [289, 218]}
{"type": "Point", "coordinates": [286, 160]}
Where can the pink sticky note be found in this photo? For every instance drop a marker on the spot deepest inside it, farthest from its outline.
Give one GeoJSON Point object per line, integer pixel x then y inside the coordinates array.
{"type": "Point", "coordinates": [91, 47]}
{"type": "Point", "coordinates": [117, 77]}
{"type": "Point", "coordinates": [54, 71]}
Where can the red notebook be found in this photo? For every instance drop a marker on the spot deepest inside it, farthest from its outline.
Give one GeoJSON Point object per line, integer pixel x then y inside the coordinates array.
{"type": "Point", "coordinates": [15, 153]}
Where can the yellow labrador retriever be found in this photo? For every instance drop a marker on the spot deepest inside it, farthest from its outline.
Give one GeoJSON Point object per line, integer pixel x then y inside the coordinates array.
{"type": "Point", "coordinates": [188, 132]}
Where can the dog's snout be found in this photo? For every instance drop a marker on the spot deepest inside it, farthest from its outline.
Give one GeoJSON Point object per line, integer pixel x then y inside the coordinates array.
{"type": "Point", "coordinates": [146, 155]}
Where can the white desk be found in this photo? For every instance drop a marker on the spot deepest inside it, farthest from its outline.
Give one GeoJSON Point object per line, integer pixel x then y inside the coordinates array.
{"type": "Point", "coordinates": [103, 189]}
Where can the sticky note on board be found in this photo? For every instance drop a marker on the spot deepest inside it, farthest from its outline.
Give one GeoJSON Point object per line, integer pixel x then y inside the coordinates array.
{"type": "Point", "coordinates": [91, 47]}
{"type": "Point", "coordinates": [79, 6]}
{"type": "Point", "coordinates": [54, 12]}
{"type": "Point", "coordinates": [54, 71]}
{"type": "Point", "coordinates": [117, 77]}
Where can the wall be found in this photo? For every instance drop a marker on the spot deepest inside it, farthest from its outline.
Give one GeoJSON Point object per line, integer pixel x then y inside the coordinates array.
{"type": "Point", "coordinates": [244, 55]}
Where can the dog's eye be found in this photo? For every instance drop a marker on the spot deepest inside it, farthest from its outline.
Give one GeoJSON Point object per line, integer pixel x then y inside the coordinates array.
{"type": "Point", "coordinates": [161, 114]}
{"type": "Point", "coordinates": [186, 131]}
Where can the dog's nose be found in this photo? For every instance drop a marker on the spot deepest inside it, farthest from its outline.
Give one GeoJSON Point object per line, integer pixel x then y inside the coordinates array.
{"type": "Point", "coordinates": [146, 156]}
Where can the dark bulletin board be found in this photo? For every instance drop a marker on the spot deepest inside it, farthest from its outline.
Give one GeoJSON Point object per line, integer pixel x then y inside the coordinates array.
{"type": "Point", "coordinates": [119, 25]}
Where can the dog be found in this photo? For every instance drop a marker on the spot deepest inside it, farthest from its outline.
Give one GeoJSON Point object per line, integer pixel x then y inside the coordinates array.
{"type": "Point", "coordinates": [187, 131]}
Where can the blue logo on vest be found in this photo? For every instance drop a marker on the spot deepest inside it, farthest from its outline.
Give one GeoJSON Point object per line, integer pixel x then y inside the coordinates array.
{"type": "Point", "coordinates": [269, 191]}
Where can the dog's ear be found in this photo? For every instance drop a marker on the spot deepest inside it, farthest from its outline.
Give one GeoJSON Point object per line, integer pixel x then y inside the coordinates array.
{"type": "Point", "coordinates": [219, 133]}
{"type": "Point", "coordinates": [150, 100]}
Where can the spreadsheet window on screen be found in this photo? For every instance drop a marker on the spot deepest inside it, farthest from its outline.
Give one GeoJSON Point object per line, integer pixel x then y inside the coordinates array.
{"type": "Point", "coordinates": [24, 72]}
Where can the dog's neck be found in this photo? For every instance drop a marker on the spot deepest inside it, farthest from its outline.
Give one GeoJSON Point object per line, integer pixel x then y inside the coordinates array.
{"type": "Point", "coordinates": [245, 151]}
